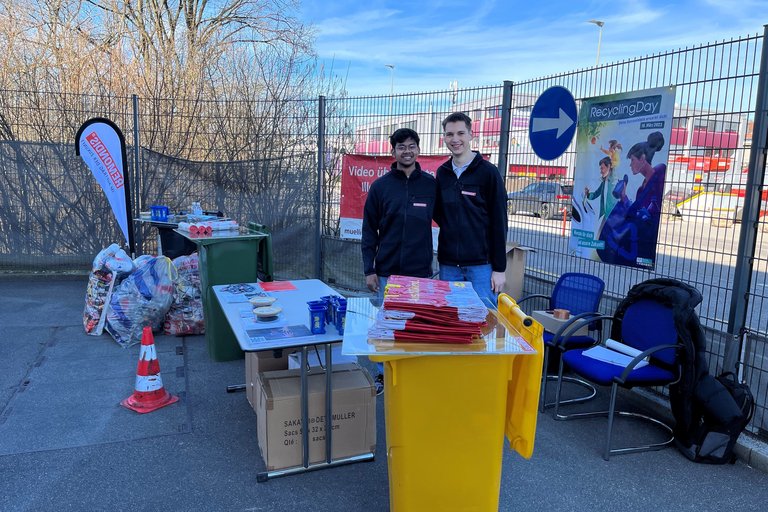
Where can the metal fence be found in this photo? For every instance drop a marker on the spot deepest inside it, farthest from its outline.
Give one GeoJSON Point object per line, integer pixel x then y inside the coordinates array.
{"type": "Point", "coordinates": [279, 163]}
{"type": "Point", "coordinates": [717, 86]}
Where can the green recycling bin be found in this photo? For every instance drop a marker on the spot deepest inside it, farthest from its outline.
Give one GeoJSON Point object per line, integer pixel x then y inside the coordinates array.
{"type": "Point", "coordinates": [228, 257]}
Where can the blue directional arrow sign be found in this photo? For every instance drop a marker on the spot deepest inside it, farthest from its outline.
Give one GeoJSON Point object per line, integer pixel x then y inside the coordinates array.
{"type": "Point", "coordinates": [553, 122]}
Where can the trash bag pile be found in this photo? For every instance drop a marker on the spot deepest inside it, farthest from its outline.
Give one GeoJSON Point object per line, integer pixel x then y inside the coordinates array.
{"type": "Point", "coordinates": [185, 316]}
{"type": "Point", "coordinates": [123, 296]}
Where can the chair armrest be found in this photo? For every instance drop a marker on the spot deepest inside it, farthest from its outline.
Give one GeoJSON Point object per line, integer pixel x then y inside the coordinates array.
{"type": "Point", "coordinates": [533, 296]}
{"type": "Point", "coordinates": [621, 379]}
{"type": "Point", "coordinates": [574, 324]}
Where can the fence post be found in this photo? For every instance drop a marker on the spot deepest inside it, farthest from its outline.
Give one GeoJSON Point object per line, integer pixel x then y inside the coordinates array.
{"type": "Point", "coordinates": [506, 116]}
{"type": "Point", "coordinates": [319, 195]}
{"type": "Point", "coordinates": [136, 206]}
{"type": "Point", "coordinates": [750, 218]}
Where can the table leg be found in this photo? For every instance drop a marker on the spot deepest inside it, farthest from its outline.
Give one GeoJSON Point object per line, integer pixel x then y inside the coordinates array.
{"type": "Point", "coordinates": [328, 403]}
{"type": "Point", "coordinates": [266, 475]}
{"type": "Point", "coordinates": [329, 461]}
{"type": "Point", "coordinates": [304, 409]}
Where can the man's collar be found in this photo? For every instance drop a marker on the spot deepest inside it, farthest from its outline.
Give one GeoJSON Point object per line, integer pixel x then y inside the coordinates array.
{"type": "Point", "coordinates": [456, 164]}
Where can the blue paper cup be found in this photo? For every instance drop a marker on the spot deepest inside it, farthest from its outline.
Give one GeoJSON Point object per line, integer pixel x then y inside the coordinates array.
{"type": "Point", "coordinates": [316, 317]}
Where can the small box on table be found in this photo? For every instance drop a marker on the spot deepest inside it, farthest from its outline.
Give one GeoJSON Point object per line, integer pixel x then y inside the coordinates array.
{"type": "Point", "coordinates": [552, 324]}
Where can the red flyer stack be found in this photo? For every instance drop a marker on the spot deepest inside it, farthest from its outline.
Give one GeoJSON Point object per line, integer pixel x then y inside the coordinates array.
{"type": "Point", "coordinates": [429, 311]}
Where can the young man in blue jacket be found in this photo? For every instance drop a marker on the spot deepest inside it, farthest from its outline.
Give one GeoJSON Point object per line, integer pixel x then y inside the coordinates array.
{"type": "Point", "coordinates": [397, 219]}
{"type": "Point", "coordinates": [471, 212]}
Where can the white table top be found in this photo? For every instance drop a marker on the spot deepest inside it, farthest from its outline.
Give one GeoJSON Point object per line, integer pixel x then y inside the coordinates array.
{"type": "Point", "coordinates": [290, 329]}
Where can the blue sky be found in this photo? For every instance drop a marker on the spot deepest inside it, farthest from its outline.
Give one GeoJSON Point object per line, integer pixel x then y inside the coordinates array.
{"type": "Point", "coordinates": [432, 43]}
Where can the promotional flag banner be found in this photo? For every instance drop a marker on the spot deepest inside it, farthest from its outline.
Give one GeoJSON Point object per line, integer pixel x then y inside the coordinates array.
{"type": "Point", "coordinates": [358, 172]}
{"type": "Point", "coordinates": [622, 148]}
{"type": "Point", "coordinates": [101, 145]}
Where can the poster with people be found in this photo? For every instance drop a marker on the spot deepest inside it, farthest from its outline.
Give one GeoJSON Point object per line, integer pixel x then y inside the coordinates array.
{"type": "Point", "coordinates": [622, 146]}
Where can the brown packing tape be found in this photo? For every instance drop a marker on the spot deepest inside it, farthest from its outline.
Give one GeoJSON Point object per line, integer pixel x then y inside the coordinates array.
{"type": "Point", "coordinates": [269, 401]}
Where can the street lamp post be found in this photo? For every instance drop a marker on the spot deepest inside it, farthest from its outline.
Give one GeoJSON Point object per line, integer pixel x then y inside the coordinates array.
{"type": "Point", "coordinates": [391, 85]}
{"type": "Point", "coordinates": [599, 38]}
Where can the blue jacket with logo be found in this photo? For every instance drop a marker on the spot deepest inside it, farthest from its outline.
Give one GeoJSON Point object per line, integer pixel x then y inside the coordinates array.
{"type": "Point", "coordinates": [472, 215]}
{"type": "Point", "coordinates": [397, 224]}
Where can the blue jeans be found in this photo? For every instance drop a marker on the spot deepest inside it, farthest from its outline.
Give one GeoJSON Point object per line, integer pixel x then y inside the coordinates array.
{"type": "Point", "coordinates": [478, 275]}
{"type": "Point", "coordinates": [382, 285]}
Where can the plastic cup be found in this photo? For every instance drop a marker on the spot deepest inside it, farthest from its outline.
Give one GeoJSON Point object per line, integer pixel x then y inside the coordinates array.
{"type": "Point", "coordinates": [317, 316]}
{"type": "Point", "coordinates": [341, 317]}
{"type": "Point", "coordinates": [328, 301]}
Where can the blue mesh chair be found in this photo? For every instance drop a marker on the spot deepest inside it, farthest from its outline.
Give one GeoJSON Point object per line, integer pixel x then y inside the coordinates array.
{"type": "Point", "coordinates": [580, 294]}
{"type": "Point", "coordinates": [648, 326]}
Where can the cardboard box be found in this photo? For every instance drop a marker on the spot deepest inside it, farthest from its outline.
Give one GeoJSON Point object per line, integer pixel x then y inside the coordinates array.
{"type": "Point", "coordinates": [264, 361]}
{"type": "Point", "coordinates": [553, 324]}
{"type": "Point", "coordinates": [279, 415]}
{"type": "Point", "coordinates": [515, 272]}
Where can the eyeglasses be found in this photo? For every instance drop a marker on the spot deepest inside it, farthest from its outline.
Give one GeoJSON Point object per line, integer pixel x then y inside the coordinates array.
{"type": "Point", "coordinates": [409, 147]}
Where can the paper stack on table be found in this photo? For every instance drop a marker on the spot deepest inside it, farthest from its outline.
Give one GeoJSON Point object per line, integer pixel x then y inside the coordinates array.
{"type": "Point", "coordinates": [429, 311]}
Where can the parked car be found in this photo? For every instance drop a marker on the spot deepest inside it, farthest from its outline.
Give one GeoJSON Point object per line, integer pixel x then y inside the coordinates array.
{"type": "Point", "coordinates": [674, 196]}
{"type": "Point", "coordinates": [543, 198]}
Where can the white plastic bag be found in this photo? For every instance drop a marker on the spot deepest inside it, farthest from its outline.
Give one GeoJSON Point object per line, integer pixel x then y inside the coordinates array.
{"type": "Point", "coordinates": [185, 316]}
{"type": "Point", "coordinates": [109, 266]}
{"type": "Point", "coordinates": [142, 299]}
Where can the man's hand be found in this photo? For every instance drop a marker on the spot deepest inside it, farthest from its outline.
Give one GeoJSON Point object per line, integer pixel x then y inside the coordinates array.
{"type": "Point", "coordinates": [372, 282]}
{"type": "Point", "coordinates": [497, 281]}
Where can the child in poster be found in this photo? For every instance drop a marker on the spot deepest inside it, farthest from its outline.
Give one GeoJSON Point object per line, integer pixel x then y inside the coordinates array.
{"type": "Point", "coordinates": [617, 214]}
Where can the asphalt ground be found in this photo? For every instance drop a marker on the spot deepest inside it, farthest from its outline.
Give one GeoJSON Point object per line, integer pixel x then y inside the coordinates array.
{"type": "Point", "coordinates": [66, 444]}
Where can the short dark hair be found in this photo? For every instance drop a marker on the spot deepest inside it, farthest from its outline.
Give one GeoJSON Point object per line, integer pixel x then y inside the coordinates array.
{"type": "Point", "coordinates": [403, 134]}
{"type": "Point", "coordinates": [458, 117]}
{"type": "Point", "coordinates": [606, 161]}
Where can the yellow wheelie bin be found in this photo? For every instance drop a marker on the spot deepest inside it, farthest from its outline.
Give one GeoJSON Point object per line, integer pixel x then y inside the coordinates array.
{"type": "Point", "coordinates": [447, 414]}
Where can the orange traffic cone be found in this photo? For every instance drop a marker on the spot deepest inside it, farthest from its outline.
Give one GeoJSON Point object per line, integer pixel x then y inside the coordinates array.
{"type": "Point", "coordinates": [149, 393]}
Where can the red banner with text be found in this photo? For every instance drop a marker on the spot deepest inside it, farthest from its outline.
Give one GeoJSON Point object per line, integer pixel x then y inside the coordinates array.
{"type": "Point", "coordinates": [358, 172]}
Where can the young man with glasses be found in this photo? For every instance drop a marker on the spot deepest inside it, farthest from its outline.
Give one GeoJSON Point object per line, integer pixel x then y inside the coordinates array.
{"type": "Point", "coordinates": [471, 212]}
{"type": "Point", "coordinates": [397, 219]}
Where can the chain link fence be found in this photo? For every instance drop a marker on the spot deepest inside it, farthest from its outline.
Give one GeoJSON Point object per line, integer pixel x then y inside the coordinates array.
{"type": "Point", "coordinates": [279, 163]}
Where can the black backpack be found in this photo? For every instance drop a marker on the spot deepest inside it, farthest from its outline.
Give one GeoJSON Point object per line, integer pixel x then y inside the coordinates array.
{"type": "Point", "coordinates": [726, 407]}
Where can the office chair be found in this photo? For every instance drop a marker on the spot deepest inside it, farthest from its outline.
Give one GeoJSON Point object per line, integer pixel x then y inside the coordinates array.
{"type": "Point", "coordinates": [648, 327]}
{"type": "Point", "coordinates": [580, 294]}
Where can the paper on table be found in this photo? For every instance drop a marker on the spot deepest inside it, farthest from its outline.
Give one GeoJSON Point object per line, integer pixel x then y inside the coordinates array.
{"type": "Point", "coordinates": [607, 355]}
{"type": "Point", "coordinates": [278, 333]}
{"type": "Point", "coordinates": [277, 286]}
